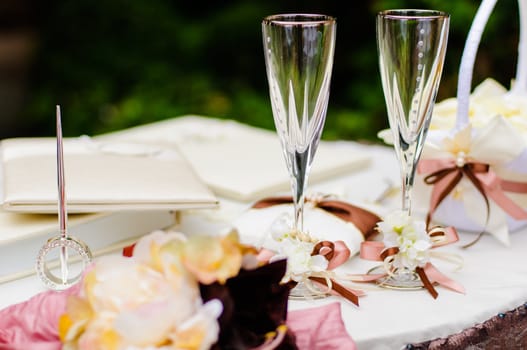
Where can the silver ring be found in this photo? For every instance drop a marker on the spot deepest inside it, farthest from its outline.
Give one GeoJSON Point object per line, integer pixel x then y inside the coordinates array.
{"type": "Point", "coordinates": [49, 279]}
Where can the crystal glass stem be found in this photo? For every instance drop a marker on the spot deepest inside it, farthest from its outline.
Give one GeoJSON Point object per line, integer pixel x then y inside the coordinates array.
{"type": "Point", "coordinates": [299, 185]}
{"type": "Point", "coordinates": [408, 156]}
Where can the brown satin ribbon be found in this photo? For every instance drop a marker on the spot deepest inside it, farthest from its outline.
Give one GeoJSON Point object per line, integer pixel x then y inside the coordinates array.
{"type": "Point", "coordinates": [426, 282]}
{"type": "Point", "coordinates": [363, 219]}
{"type": "Point", "coordinates": [335, 286]}
{"type": "Point", "coordinates": [469, 171]}
{"type": "Point", "coordinates": [419, 270]}
{"type": "Point", "coordinates": [338, 288]}
{"type": "Point", "coordinates": [324, 244]}
{"type": "Point", "coordinates": [389, 252]}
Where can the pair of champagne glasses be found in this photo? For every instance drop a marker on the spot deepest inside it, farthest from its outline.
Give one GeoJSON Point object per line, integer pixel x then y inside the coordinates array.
{"type": "Point", "coordinates": [299, 50]}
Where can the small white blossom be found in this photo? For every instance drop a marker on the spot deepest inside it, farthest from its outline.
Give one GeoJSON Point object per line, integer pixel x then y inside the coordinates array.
{"type": "Point", "coordinates": [410, 236]}
{"type": "Point", "coordinates": [297, 251]}
{"type": "Point", "coordinates": [281, 228]}
{"type": "Point", "coordinates": [300, 262]}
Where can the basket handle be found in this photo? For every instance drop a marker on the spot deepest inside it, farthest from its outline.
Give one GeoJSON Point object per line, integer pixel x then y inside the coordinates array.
{"type": "Point", "coordinates": [520, 85]}
{"type": "Point", "coordinates": [469, 56]}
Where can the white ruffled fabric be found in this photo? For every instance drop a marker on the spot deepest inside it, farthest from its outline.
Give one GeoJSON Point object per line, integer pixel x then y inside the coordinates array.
{"type": "Point", "coordinates": [496, 138]}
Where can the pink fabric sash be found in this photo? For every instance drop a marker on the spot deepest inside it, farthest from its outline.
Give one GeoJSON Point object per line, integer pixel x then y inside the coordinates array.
{"type": "Point", "coordinates": [33, 324]}
{"type": "Point", "coordinates": [320, 328]}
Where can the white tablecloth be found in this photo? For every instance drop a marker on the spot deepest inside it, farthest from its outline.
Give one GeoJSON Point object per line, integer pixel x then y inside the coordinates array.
{"type": "Point", "coordinates": [495, 276]}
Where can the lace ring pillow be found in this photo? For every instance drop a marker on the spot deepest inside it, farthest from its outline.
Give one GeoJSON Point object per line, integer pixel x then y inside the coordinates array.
{"type": "Point", "coordinates": [473, 172]}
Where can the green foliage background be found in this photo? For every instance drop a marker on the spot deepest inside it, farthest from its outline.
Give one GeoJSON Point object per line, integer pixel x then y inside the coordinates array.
{"type": "Point", "coordinates": [120, 63]}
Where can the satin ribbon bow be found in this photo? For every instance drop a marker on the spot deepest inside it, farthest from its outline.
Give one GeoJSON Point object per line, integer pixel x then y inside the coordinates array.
{"type": "Point", "coordinates": [445, 174]}
{"type": "Point", "coordinates": [337, 253]}
{"type": "Point", "coordinates": [429, 274]}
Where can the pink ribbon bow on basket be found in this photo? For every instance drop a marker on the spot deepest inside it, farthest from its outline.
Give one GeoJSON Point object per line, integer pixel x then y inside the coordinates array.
{"type": "Point", "coordinates": [445, 174]}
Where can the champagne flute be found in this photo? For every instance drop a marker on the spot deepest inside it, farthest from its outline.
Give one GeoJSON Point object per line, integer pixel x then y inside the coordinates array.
{"type": "Point", "coordinates": [299, 59]}
{"type": "Point", "coordinates": [298, 52]}
{"type": "Point", "coordinates": [411, 47]}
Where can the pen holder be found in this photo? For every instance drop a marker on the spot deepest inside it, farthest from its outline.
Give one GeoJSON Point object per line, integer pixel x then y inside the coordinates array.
{"type": "Point", "coordinates": [472, 174]}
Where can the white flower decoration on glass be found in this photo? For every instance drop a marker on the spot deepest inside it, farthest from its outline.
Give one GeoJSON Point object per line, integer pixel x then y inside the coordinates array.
{"type": "Point", "coordinates": [410, 236]}
{"type": "Point", "coordinates": [297, 249]}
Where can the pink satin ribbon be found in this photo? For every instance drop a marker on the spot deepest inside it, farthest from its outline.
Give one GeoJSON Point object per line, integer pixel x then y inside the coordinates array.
{"type": "Point", "coordinates": [377, 251]}
{"type": "Point", "coordinates": [491, 184]}
{"type": "Point", "coordinates": [337, 253]}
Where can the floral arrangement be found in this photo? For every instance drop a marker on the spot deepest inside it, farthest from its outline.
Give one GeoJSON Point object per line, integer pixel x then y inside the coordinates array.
{"type": "Point", "coordinates": [312, 261]}
{"type": "Point", "coordinates": [409, 236]}
{"type": "Point", "coordinates": [176, 292]}
{"type": "Point", "coordinates": [298, 249]}
{"type": "Point", "coordinates": [169, 291]}
{"type": "Point", "coordinates": [407, 248]}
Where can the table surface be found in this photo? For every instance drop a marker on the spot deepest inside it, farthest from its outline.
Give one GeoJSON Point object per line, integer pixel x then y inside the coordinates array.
{"type": "Point", "coordinates": [495, 276]}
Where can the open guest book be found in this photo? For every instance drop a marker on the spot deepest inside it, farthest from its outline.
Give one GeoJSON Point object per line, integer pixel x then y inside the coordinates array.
{"type": "Point", "coordinates": [115, 192]}
{"type": "Point", "coordinates": [235, 160]}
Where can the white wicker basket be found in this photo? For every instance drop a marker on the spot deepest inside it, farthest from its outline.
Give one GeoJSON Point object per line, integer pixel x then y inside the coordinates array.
{"type": "Point", "coordinates": [485, 124]}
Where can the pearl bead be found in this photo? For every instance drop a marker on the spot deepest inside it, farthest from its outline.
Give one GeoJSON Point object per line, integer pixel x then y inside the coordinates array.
{"type": "Point", "coordinates": [460, 160]}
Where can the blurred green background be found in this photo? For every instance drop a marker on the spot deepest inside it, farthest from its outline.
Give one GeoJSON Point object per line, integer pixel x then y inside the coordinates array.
{"type": "Point", "coordinates": [120, 63]}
